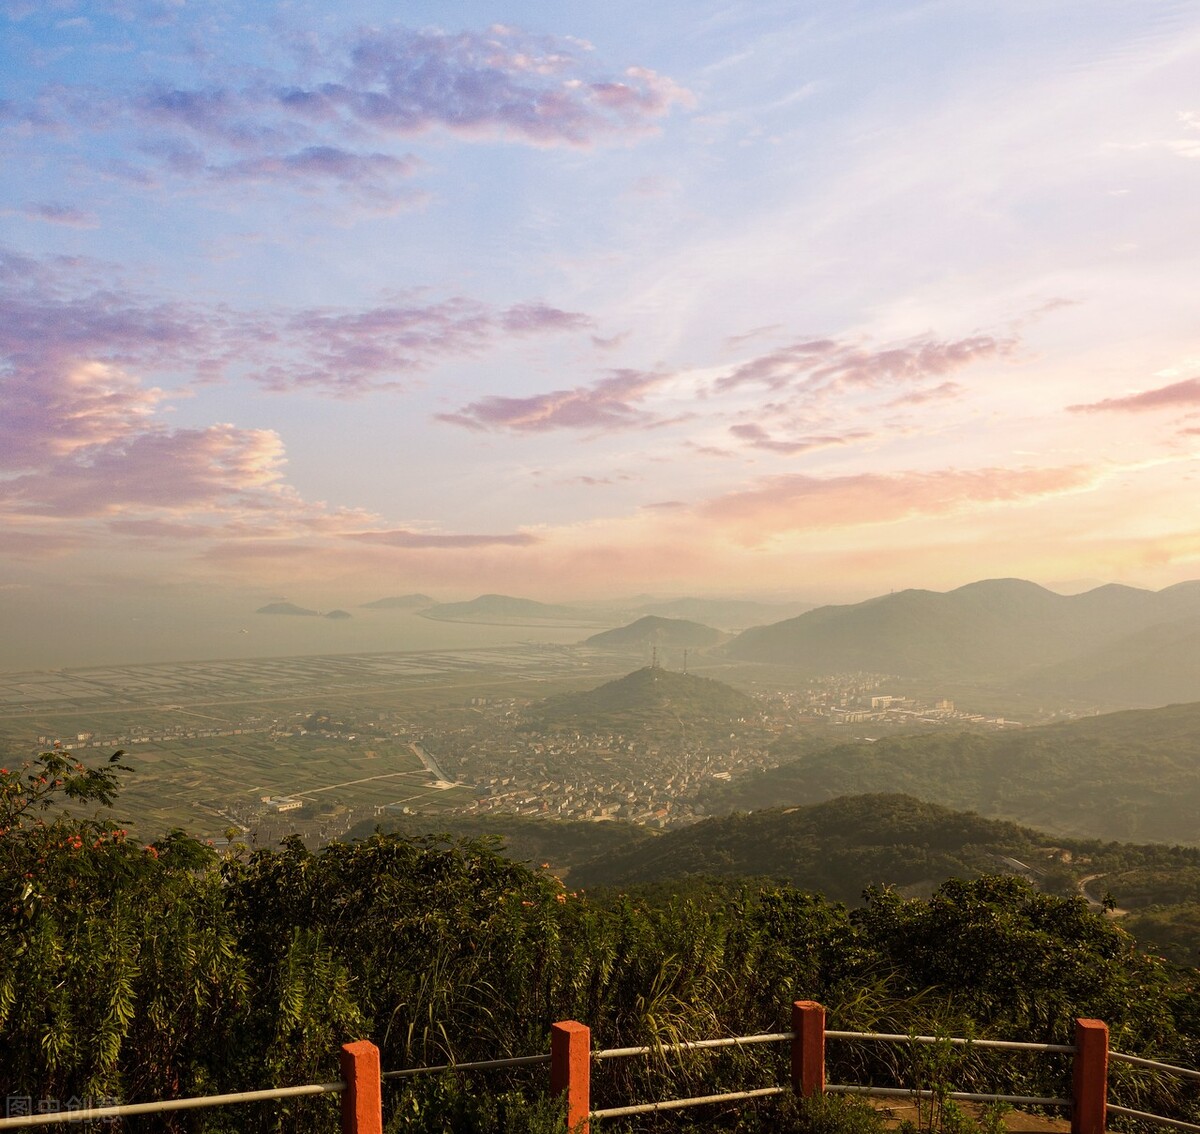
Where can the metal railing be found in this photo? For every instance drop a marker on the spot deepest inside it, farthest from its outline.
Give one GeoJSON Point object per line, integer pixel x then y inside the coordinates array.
{"type": "Point", "coordinates": [571, 1057]}
{"type": "Point", "coordinates": [831, 1088]}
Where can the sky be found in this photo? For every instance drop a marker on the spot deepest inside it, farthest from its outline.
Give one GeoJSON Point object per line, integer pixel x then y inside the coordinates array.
{"type": "Point", "coordinates": [328, 302]}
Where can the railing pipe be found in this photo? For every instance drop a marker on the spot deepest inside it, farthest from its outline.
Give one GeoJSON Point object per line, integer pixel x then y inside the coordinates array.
{"type": "Point", "coordinates": [690, 1045]}
{"type": "Point", "coordinates": [164, 1106]}
{"type": "Point", "coordinates": [955, 1041]}
{"type": "Point", "coordinates": [477, 1065]}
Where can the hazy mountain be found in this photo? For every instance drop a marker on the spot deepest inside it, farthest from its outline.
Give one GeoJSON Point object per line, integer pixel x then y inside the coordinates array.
{"type": "Point", "coordinates": [655, 631]}
{"type": "Point", "coordinates": [645, 697]}
{"type": "Point", "coordinates": [1128, 775]}
{"type": "Point", "coordinates": [727, 614]}
{"type": "Point", "coordinates": [839, 847]}
{"type": "Point", "coordinates": [286, 608]}
{"type": "Point", "coordinates": [998, 629]}
{"type": "Point", "coordinates": [399, 602]}
{"type": "Point", "coordinates": [1149, 667]}
{"type": "Point", "coordinates": [506, 608]}
{"type": "Point", "coordinates": [338, 614]}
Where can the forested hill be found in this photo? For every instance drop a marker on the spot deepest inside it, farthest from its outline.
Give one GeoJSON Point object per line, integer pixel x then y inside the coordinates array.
{"type": "Point", "coordinates": [655, 631]}
{"type": "Point", "coordinates": [645, 697]}
{"type": "Point", "coordinates": [839, 847]}
{"type": "Point", "coordinates": [1133, 775]}
{"type": "Point", "coordinates": [1004, 630]}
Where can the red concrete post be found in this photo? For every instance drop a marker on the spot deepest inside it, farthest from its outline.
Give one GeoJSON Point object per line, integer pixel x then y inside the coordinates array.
{"type": "Point", "coordinates": [571, 1069]}
{"type": "Point", "coordinates": [1089, 1085]}
{"type": "Point", "coordinates": [362, 1100]}
{"type": "Point", "coordinates": [808, 1048]}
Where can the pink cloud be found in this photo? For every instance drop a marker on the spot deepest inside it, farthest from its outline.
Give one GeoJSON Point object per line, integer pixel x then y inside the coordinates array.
{"type": "Point", "coordinates": [402, 537]}
{"type": "Point", "coordinates": [796, 502]}
{"type": "Point", "coordinates": [1185, 393]}
{"type": "Point", "coordinates": [822, 363]}
{"type": "Point", "coordinates": [608, 404]}
{"type": "Point", "coordinates": [57, 327]}
{"type": "Point", "coordinates": [758, 438]}
{"type": "Point", "coordinates": [176, 470]}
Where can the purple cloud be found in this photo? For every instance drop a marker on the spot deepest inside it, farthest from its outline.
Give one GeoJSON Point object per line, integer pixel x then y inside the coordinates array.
{"type": "Point", "coordinates": [610, 403]}
{"type": "Point", "coordinates": [65, 215]}
{"type": "Point", "coordinates": [1185, 393]}
{"type": "Point", "coordinates": [822, 363]}
{"type": "Point", "coordinates": [757, 438]}
{"type": "Point", "coordinates": [338, 124]}
{"type": "Point", "coordinates": [55, 320]}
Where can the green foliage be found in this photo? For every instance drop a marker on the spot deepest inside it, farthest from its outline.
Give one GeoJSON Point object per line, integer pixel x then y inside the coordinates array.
{"type": "Point", "coordinates": [1131, 775]}
{"type": "Point", "coordinates": [150, 971]}
{"type": "Point", "coordinates": [647, 698]}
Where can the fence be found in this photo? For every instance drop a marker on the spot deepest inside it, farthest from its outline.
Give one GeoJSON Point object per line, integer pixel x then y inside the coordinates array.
{"type": "Point", "coordinates": [571, 1058]}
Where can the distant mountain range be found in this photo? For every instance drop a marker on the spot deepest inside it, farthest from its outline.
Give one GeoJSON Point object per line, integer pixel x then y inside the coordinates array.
{"type": "Point", "coordinates": [1117, 644]}
{"type": "Point", "coordinates": [1128, 775]}
{"type": "Point", "coordinates": [399, 602]}
{"type": "Point", "coordinates": [725, 614]}
{"type": "Point", "coordinates": [645, 698]}
{"type": "Point", "coordinates": [655, 631]}
{"type": "Point", "coordinates": [506, 609]}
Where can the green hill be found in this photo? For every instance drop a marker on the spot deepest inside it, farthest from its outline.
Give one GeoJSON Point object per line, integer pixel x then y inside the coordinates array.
{"type": "Point", "coordinates": [645, 698]}
{"type": "Point", "coordinates": [561, 844]}
{"type": "Point", "coordinates": [1127, 775]}
{"type": "Point", "coordinates": [655, 631]}
{"type": "Point", "coordinates": [838, 848]}
{"type": "Point", "coordinates": [1000, 630]}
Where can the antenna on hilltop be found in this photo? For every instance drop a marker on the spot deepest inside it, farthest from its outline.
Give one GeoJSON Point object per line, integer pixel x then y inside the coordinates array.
{"type": "Point", "coordinates": [654, 658]}
{"type": "Point", "coordinates": [685, 654]}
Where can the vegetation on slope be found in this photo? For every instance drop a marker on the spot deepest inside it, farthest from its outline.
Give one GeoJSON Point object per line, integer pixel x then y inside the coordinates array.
{"type": "Point", "coordinates": [655, 631]}
{"type": "Point", "coordinates": [1133, 775]}
{"type": "Point", "coordinates": [838, 848]}
{"type": "Point", "coordinates": [646, 697]}
{"type": "Point", "coordinates": [145, 971]}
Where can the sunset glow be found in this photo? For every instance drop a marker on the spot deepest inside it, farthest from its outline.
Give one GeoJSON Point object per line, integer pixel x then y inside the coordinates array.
{"type": "Point", "coordinates": [337, 301]}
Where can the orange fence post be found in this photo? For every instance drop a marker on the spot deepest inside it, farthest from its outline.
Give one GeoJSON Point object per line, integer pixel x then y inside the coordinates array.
{"type": "Point", "coordinates": [1089, 1081]}
{"type": "Point", "coordinates": [570, 1070]}
{"type": "Point", "coordinates": [362, 1100]}
{"type": "Point", "coordinates": [808, 1048]}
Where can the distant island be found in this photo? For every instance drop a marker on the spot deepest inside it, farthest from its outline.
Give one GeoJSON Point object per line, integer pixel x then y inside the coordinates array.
{"type": "Point", "coordinates": [287, 608]}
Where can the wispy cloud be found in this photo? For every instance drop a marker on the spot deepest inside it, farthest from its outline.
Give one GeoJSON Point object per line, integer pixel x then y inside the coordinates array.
{"type": "Point", "coordinates": [53, 212]}
{"type": "Point", "coordinates": [405, 538]}
{"type": "Point", "coordinates": [796, 503]}
{"type": "Point", "coordinates": [756, 437]}
{"type": "Point", "coordinates": [608, 404]}
{"type": "Point", "coordinates": [821, 363]}
{"type": "Point", "coordinates": [1185, 393]}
